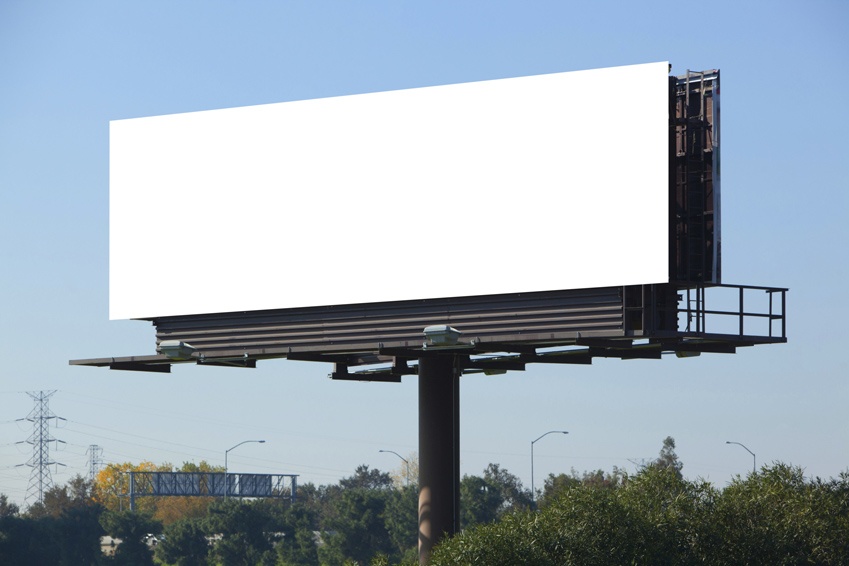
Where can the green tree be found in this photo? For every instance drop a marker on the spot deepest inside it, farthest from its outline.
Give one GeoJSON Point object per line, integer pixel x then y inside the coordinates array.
{"type": "Point", "coordinates": [69, 518]}
{"type": "Point", "coordinates": [25, 540]}
{"type": "Point", "coordinates": [485, 499]}
{"type": "Point", "coordinates": [555, 485]}
{"type": "Point", "coordinates": [656, 517]}
{"type": "Point", "coordinates": [246, 532]}
{"type": "Point", "coordinates": [480, 501]}
{"type": "Point", "coordinates": [77, 493]}
{"type": "Point", "coordinates": [62, 531]}
{"type": "Point", "coordinates": [364, 478]}
{"type": "Point", "coordinates": [132, 528]}
{"type": "Point", "coordinates": [514, 497]}
{"type": "Point", "coordinates": [583, 524]}
{"type": "Point", "coordinates": [353, 521]}
{"type": "Point", "coordinates": [667, 458]}
{"type": "Point", "coordinates": [184, 544]}
{"type": "Point", "coordinates": [357, 530]}
{"type": "Point", "coordinates": [295, 522]}
{"type": "Point", "coordinates": [402, 521]}
{"type": "Point", "coordinates": [776, 516]}
{"type": "Point", "coordinates": [7, 508]}
{"type": "Point", "coordinates": [78, 532]}
{"type": "Point", "coordinates": [674, 515]}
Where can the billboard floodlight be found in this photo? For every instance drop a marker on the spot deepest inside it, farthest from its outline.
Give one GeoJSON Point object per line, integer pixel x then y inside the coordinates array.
{"type": "Point", "coordinates": [442, 335]}
{"type": "Point", "coordinates": [687, 354]}
{"type": "Point", "coordinates": [176, 349]}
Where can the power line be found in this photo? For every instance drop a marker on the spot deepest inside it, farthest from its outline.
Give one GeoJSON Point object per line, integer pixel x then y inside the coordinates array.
{"type": "Point", "coordinates": [40, 479]}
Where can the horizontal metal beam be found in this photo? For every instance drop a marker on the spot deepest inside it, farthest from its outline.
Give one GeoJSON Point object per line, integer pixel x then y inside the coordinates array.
{"type": "Point", "coordinates": [706, 347]}
{"type": "Point", "coordinates": [138, 366]}
{"type": "Point", "coordinates": [495, 364]}
{"type": "Point", "coordinates": [381, 376]}
{"type": "Point", "coordinates": [570, 357]}
{"type": "Point", "coordinates": [513, 327]}
{"type": "Point", "coordinates": [528, 317]}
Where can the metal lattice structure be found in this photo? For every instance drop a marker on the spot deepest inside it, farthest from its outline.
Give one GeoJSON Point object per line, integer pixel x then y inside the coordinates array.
{"type": "Point", "coordinates": [40, 479]}
{"type": "Point", "coordinates": [95, 460]}
{"type": "Point", "coordinates": [695, 178]}
{"type": "Point", "coordinates": [211, 484]}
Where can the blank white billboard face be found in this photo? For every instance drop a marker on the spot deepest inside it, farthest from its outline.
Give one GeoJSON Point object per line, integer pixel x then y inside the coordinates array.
{"type": "Point", "coordinates": [517, 185]}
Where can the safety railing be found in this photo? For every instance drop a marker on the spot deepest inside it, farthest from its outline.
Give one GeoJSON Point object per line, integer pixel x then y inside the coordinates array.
{"type": "Point", "coordinates": [742, 310]}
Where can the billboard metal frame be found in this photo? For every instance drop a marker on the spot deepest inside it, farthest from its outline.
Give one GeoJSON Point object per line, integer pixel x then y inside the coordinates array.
{"type": "Point", "coordinates": [694, 176]}
{"type": "Point", "coordinates": [625, 322]}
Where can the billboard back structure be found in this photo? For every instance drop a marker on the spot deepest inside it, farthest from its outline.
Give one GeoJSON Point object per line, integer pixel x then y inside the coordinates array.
{"type": "Point", "coordinates": [530, 184]}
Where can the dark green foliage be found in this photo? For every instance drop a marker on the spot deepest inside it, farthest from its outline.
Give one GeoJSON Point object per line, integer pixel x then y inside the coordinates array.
{"type": "Point", "coordinates": [184, 544]}
{"type": "Point", "coordinates": [296, 525]}
{"type": "Point", "coordinates": [70, 540]}
{"type": "Point", "coordinates": [25, 540]}
{"type": "Point", "coordinates": [7, 509]}
{"type": "Point", "coordinates": [668, 459]}
{"type": "Point", "coordinates": [514, 497]}
{"type": "Point", "coordinates": [353, 525]}
{"type": "Point", "coordinates": [357, 529]}
{"type": "Point", "coordinates": [485, 499]}
{"type": "Point", "coordinates": [79, 531]}
{"type": "Point", "coordinates": [299, 550]}
{"type": "Point", "coordinates": [364, 478]}
{"type": "Point", "coordinates": [64, 530]}
{"type": "Point", "coordinates": [656, 517]}
{"type": "Point", "coordinates": [585, 525]}
{"type": "Point", "coordinates": [402, 521]}
{"type": "Point", "coordinates": [479, 501]}
{"type": "Point", "coordinates": [777, 517]}
{"type": "Point", "coordinates": [555, 485]}
{"type": "Point", "coordinates": [132, 528]}
{"type": "Point", "coordinates": [774, 516]}
{"type": "Point", "coordinates": [246, 531]}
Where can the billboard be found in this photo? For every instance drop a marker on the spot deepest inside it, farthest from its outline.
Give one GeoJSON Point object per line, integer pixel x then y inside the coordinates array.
{"type": "Point", "coordinates": [537, 183]}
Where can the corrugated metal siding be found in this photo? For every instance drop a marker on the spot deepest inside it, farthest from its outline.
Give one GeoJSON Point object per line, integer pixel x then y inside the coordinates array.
{"type": "Point", "coordinates": [532, 317]}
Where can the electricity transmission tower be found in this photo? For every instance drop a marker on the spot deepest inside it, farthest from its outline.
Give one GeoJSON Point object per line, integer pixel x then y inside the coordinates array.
{"type": "Point", "coordinates": [40, 479]}
{"type": "Point", "coordinates": [95, 460]}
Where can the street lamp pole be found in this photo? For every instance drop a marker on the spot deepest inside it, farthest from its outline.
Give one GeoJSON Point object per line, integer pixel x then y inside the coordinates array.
{"type": "Point", "coordinates": [533, 493]}
{"type": "Point", "coordinates": [405, 461]}
{"type": "Point", "coordinates": [226, 453]}
{"type": "Point", "coordinates": [754, 459]}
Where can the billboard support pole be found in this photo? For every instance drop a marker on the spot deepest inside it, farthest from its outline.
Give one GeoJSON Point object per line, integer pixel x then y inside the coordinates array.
{"type": "Point", "coordinates": [439, 451]}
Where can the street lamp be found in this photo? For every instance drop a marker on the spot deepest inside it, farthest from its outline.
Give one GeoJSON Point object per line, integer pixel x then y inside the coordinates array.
{"type": "Point", "coordinates": [754, 459]}
{"type": "Point", "coordinates": [533, 493]}
{"type": "Point", "coordinates": [226, 453]}
{"type": "Point", "coordinates": [405, 461]}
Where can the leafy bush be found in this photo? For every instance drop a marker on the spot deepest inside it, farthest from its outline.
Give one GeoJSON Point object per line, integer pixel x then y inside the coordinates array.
{"type": "Point", "coordinates": [657, 517]}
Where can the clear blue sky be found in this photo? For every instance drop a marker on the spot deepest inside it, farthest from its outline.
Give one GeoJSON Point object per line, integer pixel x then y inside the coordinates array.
{"type": "Point", "coordinates": [68, 68]}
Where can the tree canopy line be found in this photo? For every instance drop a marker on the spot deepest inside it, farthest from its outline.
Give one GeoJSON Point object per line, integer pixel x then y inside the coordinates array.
{"type": "Point", "coordinates": [654, 516]}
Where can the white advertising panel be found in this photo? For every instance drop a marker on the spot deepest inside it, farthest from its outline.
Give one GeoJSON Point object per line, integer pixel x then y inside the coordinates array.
{"type": "Point", "coordinates": [528, 184]}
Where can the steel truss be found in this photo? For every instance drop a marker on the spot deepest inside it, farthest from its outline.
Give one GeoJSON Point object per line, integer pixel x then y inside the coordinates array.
{"type": "Point", "coordinates": [211, 484]}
